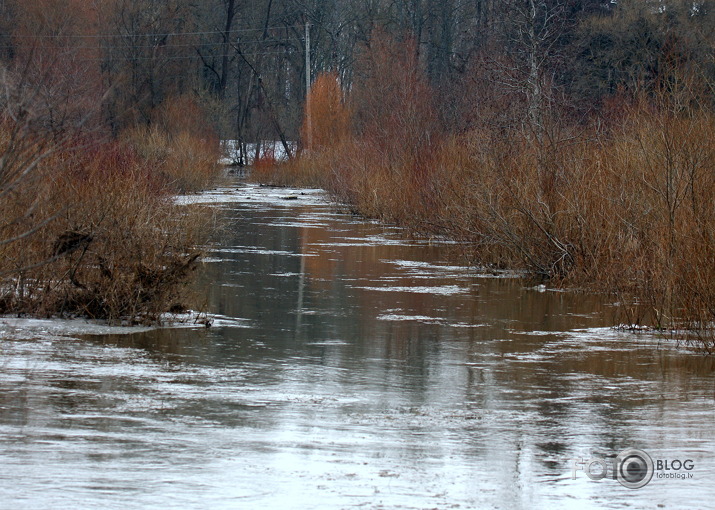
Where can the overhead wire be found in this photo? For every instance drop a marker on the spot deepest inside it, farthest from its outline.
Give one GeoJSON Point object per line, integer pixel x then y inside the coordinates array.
{"type": "Point", "coordinates": [168, 45]}
{"type": "Point", "coordinates": [181, 57]}
{"type": "Point", "coordinates": [148, 34]}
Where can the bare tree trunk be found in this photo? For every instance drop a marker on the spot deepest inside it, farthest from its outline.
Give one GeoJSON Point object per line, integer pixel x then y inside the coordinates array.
{"type": "Point", "coordinates": [230, 14]}
{"type": "Point", "coordinates": [533, 85]}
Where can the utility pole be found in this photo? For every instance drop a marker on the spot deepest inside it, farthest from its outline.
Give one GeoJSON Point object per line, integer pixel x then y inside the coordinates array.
{"type": "Point", "coordinates": [308, 120]}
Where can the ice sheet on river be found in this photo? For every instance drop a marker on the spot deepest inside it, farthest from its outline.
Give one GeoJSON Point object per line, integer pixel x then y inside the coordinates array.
{"type": "Point", "coordinates": [260, 196]}
{"type": "Point", "coordinates": [20, 328]}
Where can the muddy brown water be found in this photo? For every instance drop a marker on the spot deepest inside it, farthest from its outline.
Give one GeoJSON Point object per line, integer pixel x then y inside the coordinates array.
{"type": "Point", "coordinates": [348, 366]}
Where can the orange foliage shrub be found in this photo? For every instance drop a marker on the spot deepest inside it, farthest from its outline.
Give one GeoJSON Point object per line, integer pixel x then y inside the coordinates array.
{"type": "Point", "coordinates": [329, 116]}
{"type": "Point", "coordinates": [264, 166]}
{"type": "Point", "coordinates": [375, 148]}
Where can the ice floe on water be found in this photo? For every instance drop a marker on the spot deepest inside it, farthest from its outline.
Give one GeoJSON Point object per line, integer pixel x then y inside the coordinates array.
{"type": "Point", "coordinates": [605, 339]}
{"type": "Point", "coordinates": [422, 269]}
{"type": "Point", "coordinates": [419, 266]}
{"type": "Point", "coordinates": [443, 290]}
{"type": "Point", "coordinates": [211, 260]}
{"type": "Point", "coordinates": [399, 315]}
{"type": "Point", "coordinates": [328, 343]}
{"type": "Point", "coordinates": [256, 195]}
{"type": "Point", "coordinates": [192, 319]}
{"type": "Point", "coordinates": [260, 251]}
{"type": "Point", "coordinates": [51, 329]}
{"type": "Point", "coordinates": [24, 328]}
{"type": "Point", "coordinates": [424, 319]}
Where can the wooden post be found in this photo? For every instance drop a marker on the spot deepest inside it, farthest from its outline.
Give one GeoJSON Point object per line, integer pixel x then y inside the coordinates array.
{"type": "Point", "coordinates": [308, 120]}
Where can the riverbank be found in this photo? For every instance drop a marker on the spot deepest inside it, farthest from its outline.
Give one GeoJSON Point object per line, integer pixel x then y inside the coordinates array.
{"type": "Point", "coordinates": [624, 208]}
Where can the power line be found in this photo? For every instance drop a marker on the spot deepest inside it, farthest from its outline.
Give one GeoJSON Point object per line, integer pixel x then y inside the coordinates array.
{"type": "Point", "coordinates": [181, 57]}
{"type": "Point", "coordinates": [187, 57]}
{"type": "Point", "coordinates": [148, 34]}
{"type": "Point", "coordinates": [162, 46]}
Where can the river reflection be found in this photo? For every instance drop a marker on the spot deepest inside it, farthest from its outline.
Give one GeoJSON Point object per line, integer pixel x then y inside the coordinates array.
{"type": "Point", "coordinates": [365, 370]}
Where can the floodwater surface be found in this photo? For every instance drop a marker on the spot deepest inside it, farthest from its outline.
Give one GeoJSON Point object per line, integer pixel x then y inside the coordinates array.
{"type": "Point", "coordinates": [348, 366]}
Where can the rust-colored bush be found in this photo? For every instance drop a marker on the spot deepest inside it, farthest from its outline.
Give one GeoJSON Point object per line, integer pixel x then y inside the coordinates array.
{"type": "Point", "coordinates": [264, 168]}
{"type": "Point", "coordinates": [375, 148]}
{"type": "Point", "coordinates": [107, 240]}
{"type": "Point", "coordinates": [326, 121]}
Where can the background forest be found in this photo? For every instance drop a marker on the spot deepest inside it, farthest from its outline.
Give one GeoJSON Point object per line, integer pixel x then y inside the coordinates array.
{"type": "Point", "coordinates": [244, 62]}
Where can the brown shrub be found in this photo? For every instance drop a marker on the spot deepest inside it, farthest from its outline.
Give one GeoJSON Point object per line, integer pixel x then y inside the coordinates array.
{"type": "Point", "coordinates": [183, 161]}
{"type": "Point", "coordinates": [115, 245]}
{"type": "Point", "coordinates": [264, 168]}
{"type": "Point", "coordinates": [180, 146]}
{"type": "Point", "coordinates": [663, 168]}
{"type": "Point", "coordinates": [375, 148]}
{"type": "Point", "coordinates": [327, 118]}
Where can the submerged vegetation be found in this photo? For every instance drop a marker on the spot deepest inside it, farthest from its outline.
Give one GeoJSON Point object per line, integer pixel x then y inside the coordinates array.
{"type": "Point", "coordinates": [94, 232]}
{"type": "Point", "coordinates": [89, 227]}
{"type": "Point", "coordinates": [620, 201]}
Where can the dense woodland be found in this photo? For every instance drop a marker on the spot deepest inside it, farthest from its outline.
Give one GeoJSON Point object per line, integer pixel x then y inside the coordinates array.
{"type": "Point", "coordinates": [244, 62]}
{"type": "Point", "coordinates": [569, 138]}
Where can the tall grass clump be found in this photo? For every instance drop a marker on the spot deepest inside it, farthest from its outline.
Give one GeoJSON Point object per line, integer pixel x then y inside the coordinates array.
{"type": "Point", "coordinates": [179, 146]}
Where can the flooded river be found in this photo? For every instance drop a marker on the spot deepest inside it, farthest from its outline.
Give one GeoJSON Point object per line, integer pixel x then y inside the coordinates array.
{"type": "Point", "coordinates": [348, 366]}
